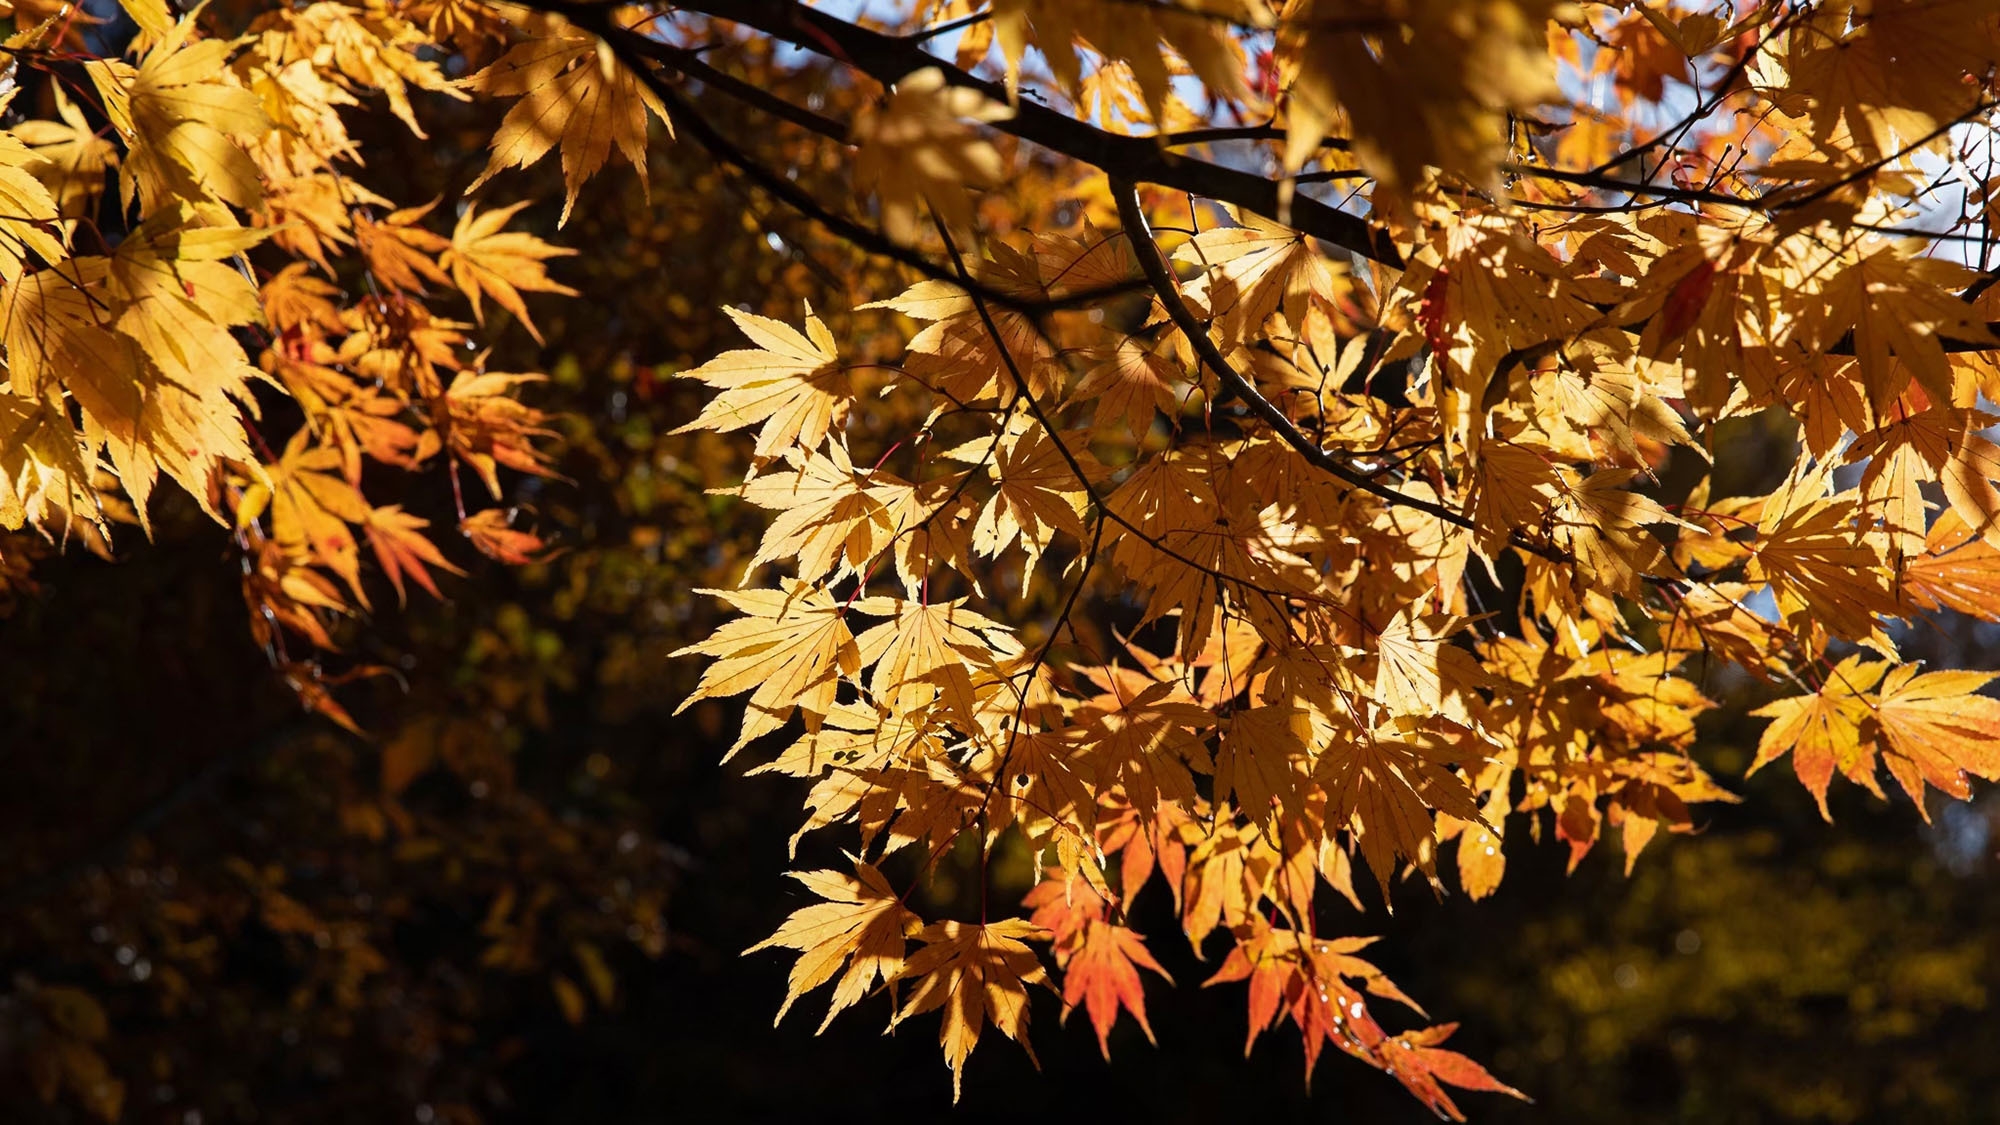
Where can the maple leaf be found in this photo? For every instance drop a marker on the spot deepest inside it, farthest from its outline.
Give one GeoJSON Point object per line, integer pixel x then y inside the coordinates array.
{"type": "Point", "coordinates": [915, 149]}
{"type": "Point", "coordinates": [1938, 444]}
{"type": "Point", "coordinates": [1886, 80]}
{"type": "Point", "coordinates": [1308, 978]}
{"type": "Point", "coordinates": [1100, 959]}
{"type": "Point", "coordinates": [1603, 395]}
{"type": "Point", "coordinates": [1897, 307]}
{"type": "Point", "coordinates": [486, 427]}
{"type": "Point", "coordinates": [1385, 787]}
{"type": "Point", "coordinates": [862, 925]}
{"type": "Point", "coordinates": [1482, 860]}
{"type": "Point", "coordinates": [177, 113]}
{"type": "Point", "coordinates": [573, 90]}
{"type": "Point", "coordinates": [1823, 731]}
{"type": "Point", "coordinates": [45, 464]}
{"type": "Point", "coordinates": [483, 258]}
{"type": "Point", "coordinates": [1417, 1061]}
{"type": "Point", "coordinates": [1131, 384]}
{"type": "Point", "coordinates": [1431, 92]}
{"type": "Point", "coordinates": [982, 972]}
{"type": "Point", "coordinates": [1103, 975]}
{"type": "Point", "coordinates": [1198, 548]}
{"type": "Point", "coordinates": [1254, 270]}
{"type": "Point", "coordinates": [933, 527]}
{"type": "Point", "coordinates": [1227, 873]}
{"type": "Point", "coordinates": [961, 356]}
{"type": "Point", "coordinates": [491, 533]}
{"type": "Point", "coordinates": [159, 388]}
{"type": "Point", "coordinates": [369, 49]}
{"type": "Point", "coordinates": [1599, 520]}
{"type": "Point", "coordinates": [789, 653]}
{"type": "Point", "coordinates": [1146, 742]}
{"type": "Point", "coordinates": [1046, 783]}
{"type": "Point", "coordinates": [402, 548]}
{"type": "Point", "coordinates": [1517, 486]}
{"type": "Point", "coordinates": [1131, 39]}
{"type": "Point", "coordinates": [1817, 560]}
{"type": "Point", "coordinates": [1259, 759]}
{"type": "Point", "coordinates": [1036, 490]}
{"type": "Point", "coordinates": [1640, 57]}
{"type": "Point", "coordinates": [920, 641]}
{"type": "Point", "coordinates": [1957, 570]}
{"type": "Point", "coordinates": [312, 216]}
{"type": "Point", "coordinates": [70, 159]}
{"type": "Point", "coordinates": [401, 253]}
{"type": "Point", "coordinates": [1407, 679]}
{"type": "Point", "coordinates": [1928, 729]}
{"type": "Point", "coordinates": [1143, 844]}
{"type": "Point", "coordinates": [831, 516]}
{"type": "Point", "coordinates": [1937, 730]}
{"type": "Point", "coordinates": [311, 508]}
{"type": "Point", "coordinates": [794, 384]}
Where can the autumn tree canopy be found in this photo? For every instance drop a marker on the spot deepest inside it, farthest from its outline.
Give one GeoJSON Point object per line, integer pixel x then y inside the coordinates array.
{"type": "Point", "coordinates": [1274, 457]}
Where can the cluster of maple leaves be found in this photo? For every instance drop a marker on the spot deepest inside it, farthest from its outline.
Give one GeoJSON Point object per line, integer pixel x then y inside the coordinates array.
{"type": "Point", "coordinates": [1366, 623]}
{"type": "Point", "coordinates": [139, 362]}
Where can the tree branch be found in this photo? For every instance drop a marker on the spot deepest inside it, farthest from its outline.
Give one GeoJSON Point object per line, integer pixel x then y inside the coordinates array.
{"type": "Point", "coordinates": [1133, 218]}
{"type": "Point", "coordinates": [888, 58]}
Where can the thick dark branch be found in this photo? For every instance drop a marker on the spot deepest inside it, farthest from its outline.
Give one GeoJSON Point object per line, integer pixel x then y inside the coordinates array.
{"type": "Point", "coordinates": [689, 121]}
{"type": "Point", "coordinates": [887, 58]}
{"type": "Point", "coordinates": [694, 66]}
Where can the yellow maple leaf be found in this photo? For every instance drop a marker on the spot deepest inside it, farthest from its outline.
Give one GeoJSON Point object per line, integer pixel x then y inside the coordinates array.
{"type": "Point", "coordinates": [1937, 729]}
{"type": "Point", "coordinates": [574, 92]}
{"type": "Point", "coordinates": [1927, 728]}
{"type": "Point", "coordinates": [1134, 39]}
{"type": "Point", "coordinates": [1821, 564]}
{"type": "Point", "coordinates": [1432, 90]}
{"type": "Point", "coordinates": [69, 158]}
{"type": "Point", "coordinates": [484, 258]}
{"type": "Point", "coordinates": [1260, 759]}
{"type": "Point", "coordinates": [484, 425]}
{"type": "Point", "coordinates": [28, 213]}
{"type": "Point", "coordinates": [1823, 731]}
{"type": "Point", "coordinates": [1957, 570]}
{"type": "Point", "coordinates": [399, 251]}
{"type": "Point", "coordinates": [313, 216]}
{"type": "Point", "coordinates": [311, 505]}
{"type": "Point", "coordinates": [1144, 739]}
{"type": "Point", "coordinates": [1036, 492]}
{"type": "Point", "coordinates": [1897, 306]}
{"type": "Point", "coordinates": [830, 514]}
{"type": "Point", "coordinates": [371, 47]}
{"type": "Point", "coordinates": [142, 342]}
{"type": "Point", "coordinates": [401, 548]}
{"type": "Point", "coordinates": [792, 383]}
{"type": "Point", "coordinates": [1886, 75]}
{"type": "Point", "coordinates": [45, 464]}
{"type": "Point", "coordinates": [790, 653]}
{"type": "Point", "coordinates": [180, 116]}
{"type": "Point", "coordinates": [862, 925]}
{"type": "Point", "coordinates": [984, 973]}
{"type": "Point", "coordinates": [1385, 785]}
{"type": "Point", "coordinates": [1254, 270]}
{"type": "Point", "coordinates": [1131, 382]}
{"type": "Point", "coordinates": [915, 149]}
